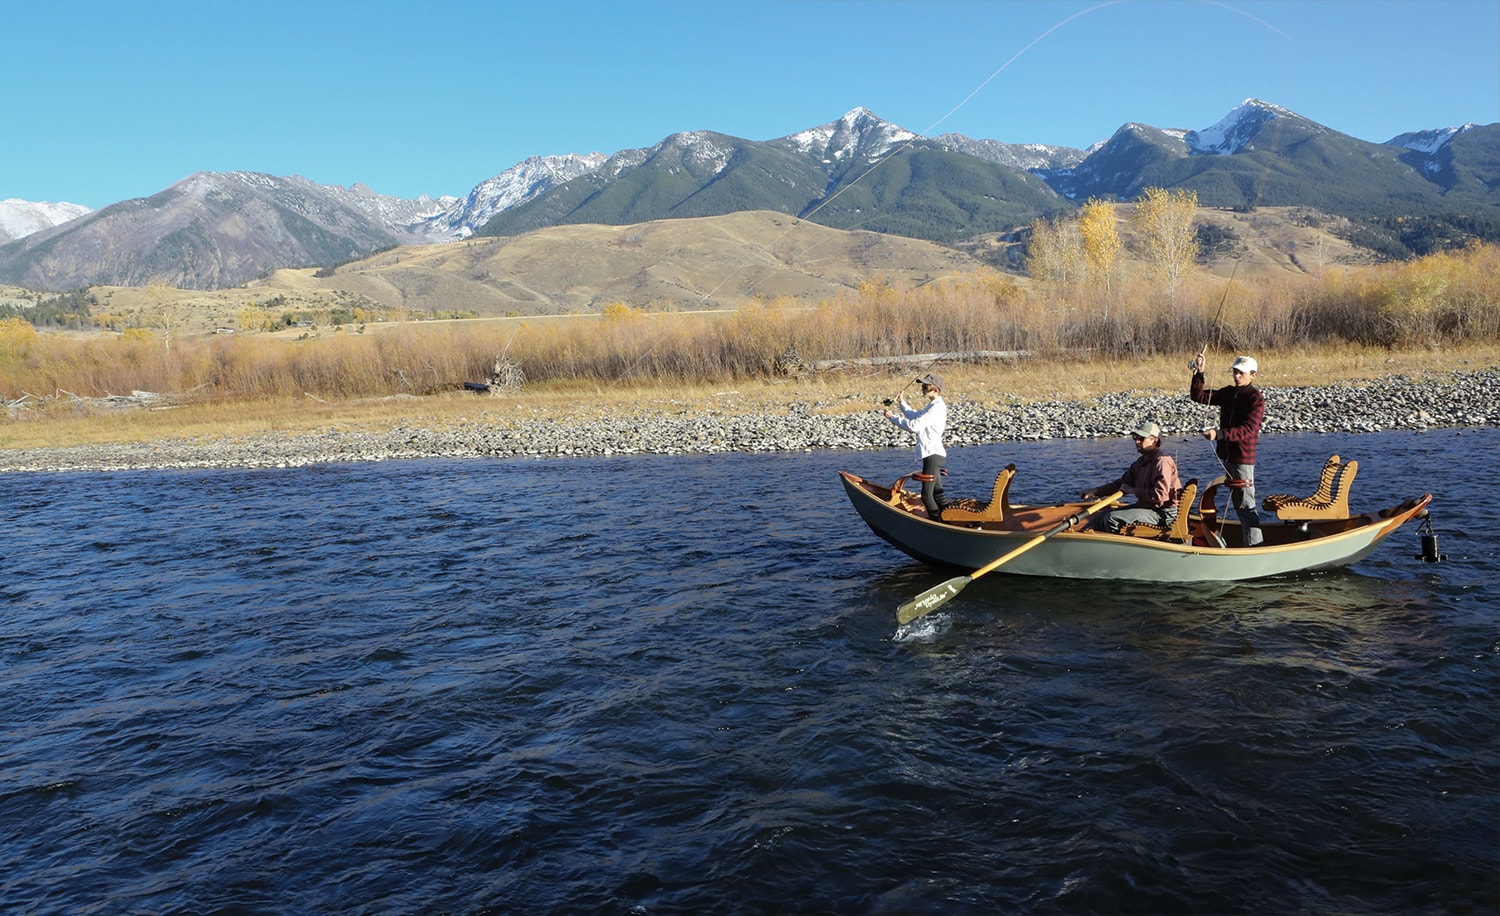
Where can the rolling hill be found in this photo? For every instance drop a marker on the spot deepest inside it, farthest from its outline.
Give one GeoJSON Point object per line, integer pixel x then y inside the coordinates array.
{"type": "Point", "coordinates": [679, 265]}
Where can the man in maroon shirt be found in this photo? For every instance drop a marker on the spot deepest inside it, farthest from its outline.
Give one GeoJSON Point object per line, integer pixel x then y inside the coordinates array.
{"type": "Point", "coordinates": [1242, 409]}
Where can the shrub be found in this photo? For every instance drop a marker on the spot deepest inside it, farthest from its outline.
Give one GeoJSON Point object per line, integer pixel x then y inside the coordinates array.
{"type": "Point", "coordinates": [1452, 296]}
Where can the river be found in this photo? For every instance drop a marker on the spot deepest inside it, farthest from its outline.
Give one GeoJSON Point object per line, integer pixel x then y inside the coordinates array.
{"type": "Point", "coordinates": [676, 685]}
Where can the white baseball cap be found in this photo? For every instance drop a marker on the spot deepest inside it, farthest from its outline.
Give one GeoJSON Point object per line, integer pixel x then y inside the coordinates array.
{"type": "Point", "coordinates": [1245, 364]}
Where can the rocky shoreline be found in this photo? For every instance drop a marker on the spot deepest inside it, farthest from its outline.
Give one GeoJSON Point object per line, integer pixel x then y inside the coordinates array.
{"type": "Point", "coordinates": [1460, 399]}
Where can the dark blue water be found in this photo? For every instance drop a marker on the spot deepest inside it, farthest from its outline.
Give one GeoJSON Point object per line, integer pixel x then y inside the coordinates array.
{"type": "Point", "coordinates": [675, 685]}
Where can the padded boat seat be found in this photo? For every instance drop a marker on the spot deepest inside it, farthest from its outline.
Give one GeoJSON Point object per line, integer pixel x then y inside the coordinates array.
{"type": "Point", "coordinates": [1178, 530]}
{"type": "Point", "coordinates": [969, 510]}
{"type": "Point", "coordinates": [1330, 501]}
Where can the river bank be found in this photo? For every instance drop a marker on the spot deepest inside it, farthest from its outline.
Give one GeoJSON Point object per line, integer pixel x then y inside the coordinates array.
{"type": "Point", "coordinates": [732, 424]}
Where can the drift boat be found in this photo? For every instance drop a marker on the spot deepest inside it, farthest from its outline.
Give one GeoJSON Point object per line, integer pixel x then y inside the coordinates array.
{"type": "Point", "coordinates": [1301, 533]}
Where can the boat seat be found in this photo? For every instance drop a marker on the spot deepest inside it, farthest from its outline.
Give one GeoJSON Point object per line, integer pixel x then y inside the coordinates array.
{"type": "Point", "coordinates": [1330, 501]}
{"type": "Point", "coordinates": [1178, 530]}
{"type": "Point", "coordinates": [969, 510]}
{"type": "Point", "coordinates": [903, 498]}
{"type": "Point", "coordinates": [1324, 492]}
{"type": "Point", "coordinates": [1205, 526]}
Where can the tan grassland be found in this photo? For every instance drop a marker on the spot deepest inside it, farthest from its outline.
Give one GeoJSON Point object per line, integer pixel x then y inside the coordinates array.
{"type": "Point", "coordinates": [722, 262]}
{"type": "Point", "coordinates": [1311, 314]}
{"type": "Point", "coordinates": [1008, 382]}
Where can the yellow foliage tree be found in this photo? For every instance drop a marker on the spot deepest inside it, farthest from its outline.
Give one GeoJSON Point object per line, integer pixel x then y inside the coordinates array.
{"type": "Point", "coordinates": [254, 318]}
{"type": "Point", "coordinates": [1101, 241]}
{"type": "Point", "coordinates": [16, 337]}
{"type": "Point", "coordinates": [1169, 241]}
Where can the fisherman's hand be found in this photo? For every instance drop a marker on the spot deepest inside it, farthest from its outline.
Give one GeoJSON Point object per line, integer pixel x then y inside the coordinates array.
{"type": "Point", "coordinates": [1210, 434]}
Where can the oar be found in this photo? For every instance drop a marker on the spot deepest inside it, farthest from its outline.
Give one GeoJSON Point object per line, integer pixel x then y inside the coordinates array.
{"type": "Point", "coordinates": [938, 595]}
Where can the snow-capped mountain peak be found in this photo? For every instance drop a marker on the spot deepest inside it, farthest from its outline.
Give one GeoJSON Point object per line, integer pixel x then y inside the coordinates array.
{"type": "Point", "coordinates": [1428, 141]}
{"type": "Point", "coordinates": [858, 133]}
{"type": "Point", "coordinates": [20, 218]}
{"type": "Point", "coordinates": [1236, 128]}
{"type": "Point", "coordinates": [516, 185]}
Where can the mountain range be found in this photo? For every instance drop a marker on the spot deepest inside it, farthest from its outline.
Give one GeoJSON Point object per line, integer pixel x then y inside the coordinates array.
{"type": "Point", "coordinates": [217, 230]}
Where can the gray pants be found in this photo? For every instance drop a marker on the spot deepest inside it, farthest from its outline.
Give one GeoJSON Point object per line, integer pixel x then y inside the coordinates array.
{"type": "Point", "coordinates": [1113, 520]}
{"type": "Point", "coordinates": [1243, 501]}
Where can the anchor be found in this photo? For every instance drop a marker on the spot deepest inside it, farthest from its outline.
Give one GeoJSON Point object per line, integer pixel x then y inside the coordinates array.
{"type": "Point", "coordinates": [1429, 537]}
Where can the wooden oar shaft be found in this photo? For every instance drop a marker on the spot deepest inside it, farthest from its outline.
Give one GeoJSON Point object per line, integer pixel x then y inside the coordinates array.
{"type": "Point", "coordinates": [1059, 528]}
{"type": "Point", "coordinates": [938, 595]}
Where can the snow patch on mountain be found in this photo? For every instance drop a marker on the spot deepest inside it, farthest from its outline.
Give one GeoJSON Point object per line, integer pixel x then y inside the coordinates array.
{"type": "Point", "coordinates": [1033, 157]}
{"type": "Point", "coordinates": [20, 218]}
{"type": "Point", "coordinates": [397, 214]}
{"type": "Point", "coordinates": [701, 148]}
{"type": "Point", "coordinates": [516, 185]}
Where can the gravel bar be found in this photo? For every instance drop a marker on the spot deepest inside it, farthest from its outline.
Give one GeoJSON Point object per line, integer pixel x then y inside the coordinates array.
{"type": "Point", "coordinates": [1462, 399]}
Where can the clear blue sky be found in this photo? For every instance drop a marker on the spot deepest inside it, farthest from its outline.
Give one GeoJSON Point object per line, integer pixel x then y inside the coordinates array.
{"type": "Point", "coordinates": [112, 100]}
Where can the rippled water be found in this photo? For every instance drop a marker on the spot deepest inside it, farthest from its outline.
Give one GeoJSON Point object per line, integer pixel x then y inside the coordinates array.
{"type": "Point", "coordinates": [675, 685]}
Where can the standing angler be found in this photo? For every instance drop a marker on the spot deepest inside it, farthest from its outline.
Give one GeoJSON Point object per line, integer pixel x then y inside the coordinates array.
{"type": "Point", "coordinates": [1242, 409]}
{"type": "Point", "coordinates": [927, 424]}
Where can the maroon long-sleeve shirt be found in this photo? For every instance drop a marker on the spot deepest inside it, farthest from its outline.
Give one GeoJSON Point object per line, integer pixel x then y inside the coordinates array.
{"type": "Point", "coordinates": [1242, 409]}
{"type": "Point", "coordinates": [1153, 477]}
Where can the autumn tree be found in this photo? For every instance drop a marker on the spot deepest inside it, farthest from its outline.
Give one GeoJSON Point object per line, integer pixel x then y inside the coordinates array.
{"type": "Point", "coordinates": [17, 337]}
{"type": "Point", "coordinates": [254, 318]}
{"type": "Point", "coordinates": [1055, 253]}
{"type": "Point", "coordinates": [1100, 234]}
{"type": "Point", "coordinates": [163, 315]}
{"type": "Point", "coordinates": [1169, 244]}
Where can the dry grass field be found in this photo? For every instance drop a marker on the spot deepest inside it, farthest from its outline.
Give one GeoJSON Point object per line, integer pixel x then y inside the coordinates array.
{"type": "Point", "coordinates": [724, 262]}
{"type": "Point", "coordinates": [669, 265]}
{"type": "Point", "coordinates": [1309, 309]}
{"type": "Point", "coordinates": [1009, 382]}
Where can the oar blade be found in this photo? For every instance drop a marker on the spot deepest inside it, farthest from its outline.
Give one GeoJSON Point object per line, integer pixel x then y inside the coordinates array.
{"type": "Point", "coordinates": [935, 597]}
{"type": "Point", "coordinates": [931, 600]}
